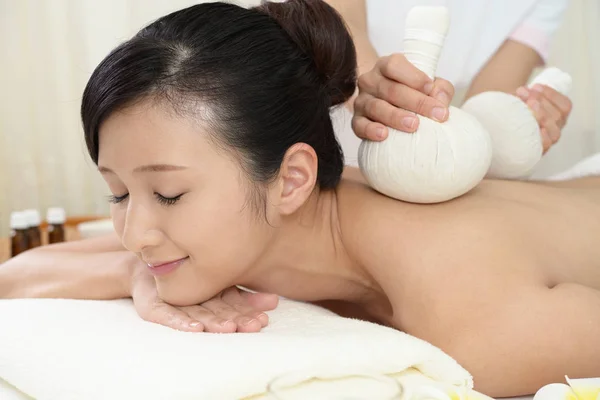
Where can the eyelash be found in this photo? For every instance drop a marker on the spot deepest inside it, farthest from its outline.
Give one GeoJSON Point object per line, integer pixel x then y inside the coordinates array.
{"type": "Point", "coordinates": [165, 201]}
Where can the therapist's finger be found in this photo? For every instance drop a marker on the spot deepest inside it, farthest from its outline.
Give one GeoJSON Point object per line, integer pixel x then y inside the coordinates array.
{"type": "Point", "coordinates": [366, 129]}
{"type": "Point", "coordinates": [546, 141]}
{"type": "Point", "coordinates": [554, 120]}
{"type": "Point", "coordinates": [546, 114]}
{"type": "Point", "coordinates": [397, 68]}
{"type": "Point", "coordinates": [383, 113]}
{"type": "Point", "coordinates": [443, 91]}
{"type": "Point", "coordinates": [405, 98]}
{"type": "Point", "coordinates": [362, 126]}
{"type": "Point", "coordinates": [559, 100]}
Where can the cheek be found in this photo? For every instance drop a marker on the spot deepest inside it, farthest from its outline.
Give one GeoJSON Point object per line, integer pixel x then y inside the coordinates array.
{"type": "Point", "coordinates": [118, 217]}
{"type": "Point", "coordinates": [224, 231]}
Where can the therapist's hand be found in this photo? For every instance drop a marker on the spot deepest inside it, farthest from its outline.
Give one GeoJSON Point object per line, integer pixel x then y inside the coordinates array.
{"type": "Point", "coordinates": [551, 109]}
{"type": "Point", "coordinates": [232, 310]}
{"type": "Point", "coordinates": [390, 95]}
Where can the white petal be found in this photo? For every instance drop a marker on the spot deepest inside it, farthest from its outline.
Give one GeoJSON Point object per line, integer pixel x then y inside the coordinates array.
{"type": "Point", "coordinates": [555, 391]}
{"type": "Point", "coordinates": [585, 388]}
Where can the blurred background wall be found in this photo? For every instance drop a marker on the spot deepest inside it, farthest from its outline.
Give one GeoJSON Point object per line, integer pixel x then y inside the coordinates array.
{"type": "Point", "coordinates": [50, 47]}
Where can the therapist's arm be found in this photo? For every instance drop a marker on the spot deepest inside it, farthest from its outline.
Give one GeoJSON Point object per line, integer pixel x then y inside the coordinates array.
{"type": "Point", "coordinates": [507, 70]}
{"type": "Point", "coordinates": [354, 13]}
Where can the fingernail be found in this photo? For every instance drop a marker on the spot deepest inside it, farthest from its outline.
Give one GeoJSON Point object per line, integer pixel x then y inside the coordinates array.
{"type": "Point", "coordinates": [538, 88]}
{"type": "Point", "coordinates": [226, 322]}
{"type": "Point", "coordinates": [522, 93]}
{"type": "Point", "coordinates": [409, 122]}
{"type": "Point", "coordinates": [194, 324]}
{"type": "Point", "coordinates": [380, 133]}
{"type": "Point", "coordinates": [428, 87]}
{"type": "Point", "coordinates": [247, 321]}
{"type": "Point", "coordinates": [438, 113]}
{"type": "Point", "coordinates": [535, 105]}
{"type": "Point", "coordinates": [443, 97]}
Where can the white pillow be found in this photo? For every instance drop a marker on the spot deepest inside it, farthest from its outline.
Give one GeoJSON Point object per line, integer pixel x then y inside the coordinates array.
{"type": "Point", "coordinates": [74, 349]}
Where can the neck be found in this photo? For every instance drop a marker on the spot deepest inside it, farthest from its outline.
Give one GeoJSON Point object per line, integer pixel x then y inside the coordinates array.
{"type": "Point", "coordinates": [308, 261]}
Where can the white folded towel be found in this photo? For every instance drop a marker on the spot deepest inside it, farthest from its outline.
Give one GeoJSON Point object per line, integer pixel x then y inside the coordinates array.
{"type": "Point", "coordinates": [71, 349]}
{"type": "Point", "coordinates": [589, 166]}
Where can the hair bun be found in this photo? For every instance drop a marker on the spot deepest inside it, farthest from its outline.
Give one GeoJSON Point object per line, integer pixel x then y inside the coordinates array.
{"type": "Point", "coordinates": [320, 32]}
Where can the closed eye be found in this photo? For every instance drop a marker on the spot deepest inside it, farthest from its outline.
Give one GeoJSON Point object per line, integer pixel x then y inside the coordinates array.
{"type": "Point", "coordinates": [117, 199]}
{"type": "Point", "coordinates": [167, 201]}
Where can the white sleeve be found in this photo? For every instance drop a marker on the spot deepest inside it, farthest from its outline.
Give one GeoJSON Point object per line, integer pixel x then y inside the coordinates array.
{"type": "Point", "coordinates": [538, 26]}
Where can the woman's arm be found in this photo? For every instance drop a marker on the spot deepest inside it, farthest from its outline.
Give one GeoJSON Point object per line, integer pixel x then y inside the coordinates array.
{"type": "Point", "coordinates": [88, 269]}
{"type": "Point", "coordinates": [101, 269]}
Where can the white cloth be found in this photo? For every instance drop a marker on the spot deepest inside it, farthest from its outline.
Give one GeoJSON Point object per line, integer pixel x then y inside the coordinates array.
{"type": "Point", "coordinates": [477, 29]}
{"type": "Point", "coordinates": [70, 349]}
{"type": "Point", "coordinates": [589, 166]}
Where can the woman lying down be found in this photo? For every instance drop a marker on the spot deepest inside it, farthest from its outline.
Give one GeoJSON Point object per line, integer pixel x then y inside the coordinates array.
{"type": "Point", "coordinates": [211, 127]}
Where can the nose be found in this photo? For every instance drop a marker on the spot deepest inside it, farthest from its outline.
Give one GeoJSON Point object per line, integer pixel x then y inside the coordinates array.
{"type": "Point", "coordinates": [140, 228]}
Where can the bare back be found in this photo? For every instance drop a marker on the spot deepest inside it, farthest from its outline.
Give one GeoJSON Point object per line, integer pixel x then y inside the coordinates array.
{"type": "Point", "coordinates": [483, 276]}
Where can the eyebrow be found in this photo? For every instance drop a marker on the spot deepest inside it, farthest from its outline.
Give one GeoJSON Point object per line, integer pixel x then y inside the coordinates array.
{"type": "Point", "coordinates": [148, 168]}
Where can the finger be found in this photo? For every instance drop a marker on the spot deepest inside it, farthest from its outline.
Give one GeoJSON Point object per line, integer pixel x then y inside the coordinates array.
{"type": "Point", "coordinates": [172, 317]}
{"type": "Point", "coordinates": [222, 310]}
{"type": "Point", "coordinates": [546, 141]}
{"type": "Point", "coordinates": [248, 316]}
{"type": "Point", "coordinates": [553, 131]}
{"type": "Point", "coordinates": [212, 321]}
{"type": "Point", "coordinates": [261, 301]}
{"type": "Point", "coordinates": [363, 127]}
{"type": "Point", "coordinates": [550, 111]}
{"type": "Point", "coordinates": [553, 119]}
{"type": "Point", "coordinates": [543, 121]}
{"type": "Point", "coordinates": [243, 322]}
{"type": "Point", "coordinates": [397, 68]}
{"type": "Point", "coordinates": [523, 93]}
{"type": "Point", "coordinates": [562, 102]}
{"type": "Point", "coordinates": [408, 99]}
{"type": "Point", "coordinates": [536, 108]}
{"type": "Point", "coordinates": [443, 91]}
{"type": "Point", "coordinates": [546, 115]}
{"type": "Point", "coordinates": [376, 109]}
{"type": "Point", "coordinates": [366, 129]}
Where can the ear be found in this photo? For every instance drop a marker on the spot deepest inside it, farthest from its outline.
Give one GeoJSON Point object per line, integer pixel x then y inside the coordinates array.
{"type": "Point", "coordinates": [297, 178]}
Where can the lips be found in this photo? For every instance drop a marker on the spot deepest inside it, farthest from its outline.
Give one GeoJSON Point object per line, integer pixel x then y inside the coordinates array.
{"type": "Point", "coordinates": [164, 268]}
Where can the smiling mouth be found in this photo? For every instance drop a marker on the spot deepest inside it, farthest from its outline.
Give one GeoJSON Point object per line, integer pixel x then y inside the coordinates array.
{"type": "Point", "coordinates": [165, 267]}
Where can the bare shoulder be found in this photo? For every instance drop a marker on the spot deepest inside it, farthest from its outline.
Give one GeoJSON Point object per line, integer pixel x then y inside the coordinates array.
{"type": "Point", "coordinates": [437, 263]}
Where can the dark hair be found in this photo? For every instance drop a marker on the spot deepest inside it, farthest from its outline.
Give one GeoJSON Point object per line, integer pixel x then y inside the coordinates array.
{"type": "Point", "coordinates": [268, 75]}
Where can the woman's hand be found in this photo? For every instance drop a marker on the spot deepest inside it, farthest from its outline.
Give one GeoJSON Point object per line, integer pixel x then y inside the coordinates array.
{"type": "Point", "coordinates": [551, 109]}
{"type": "Point", "coordinates": [390, 95]}
{"type": "Point", "coordinates": [232, 310]}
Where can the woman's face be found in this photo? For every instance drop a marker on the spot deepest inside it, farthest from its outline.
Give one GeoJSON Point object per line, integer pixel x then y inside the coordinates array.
{"type": "Point", "coordinates": [181, 204]}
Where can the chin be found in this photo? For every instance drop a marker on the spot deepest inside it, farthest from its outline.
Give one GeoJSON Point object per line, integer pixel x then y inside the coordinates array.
{"type": "Point", "coordinates": [175, 296]}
